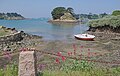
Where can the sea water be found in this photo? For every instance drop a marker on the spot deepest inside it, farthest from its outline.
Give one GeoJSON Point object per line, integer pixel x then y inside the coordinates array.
{"type": "Point", "coordinates": [49, 31]}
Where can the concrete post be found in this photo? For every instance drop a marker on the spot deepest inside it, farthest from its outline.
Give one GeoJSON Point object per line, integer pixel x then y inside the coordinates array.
{"type": "Point", "coordinates": [27, 64]}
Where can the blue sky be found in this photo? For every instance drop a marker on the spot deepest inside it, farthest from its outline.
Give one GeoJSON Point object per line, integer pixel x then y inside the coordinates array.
{"type": "Point", "coordinates": [43, 8]}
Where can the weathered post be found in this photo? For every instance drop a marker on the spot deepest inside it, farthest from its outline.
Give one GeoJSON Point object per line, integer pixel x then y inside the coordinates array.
{"type": "Point", "coordinates": [27, 64]}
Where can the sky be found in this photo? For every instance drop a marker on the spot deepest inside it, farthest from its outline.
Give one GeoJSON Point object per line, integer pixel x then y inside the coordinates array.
{"type": "Point", "coordinates": [43, 8]}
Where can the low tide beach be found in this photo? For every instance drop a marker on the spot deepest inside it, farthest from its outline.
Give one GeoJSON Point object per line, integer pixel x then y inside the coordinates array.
{"type": "Point", "coordinates": [105, 47]}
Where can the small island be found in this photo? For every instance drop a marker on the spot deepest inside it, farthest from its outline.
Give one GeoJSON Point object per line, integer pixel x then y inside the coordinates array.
{"type": "Point", "coordinates": [63, 15]}
{"type": "Point", "coordinates": [11, 16]}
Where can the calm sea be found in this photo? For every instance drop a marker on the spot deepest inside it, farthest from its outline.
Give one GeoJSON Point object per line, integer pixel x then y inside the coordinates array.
{"type": "Point", "coordinates": [42, 28]}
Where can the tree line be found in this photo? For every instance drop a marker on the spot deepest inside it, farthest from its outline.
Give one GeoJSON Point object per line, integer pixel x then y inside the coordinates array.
{"type": "Point", "coordinates": [6, 15]}
{"type": "Point", "coordinates": [59, 11]}
{"type": "Point", "coordinates": [92, 16]}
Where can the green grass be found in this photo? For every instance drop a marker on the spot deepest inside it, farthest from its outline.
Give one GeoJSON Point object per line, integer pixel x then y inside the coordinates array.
{"type": "Point", "coordinates": [71, 70]}
{"type": "Point", "coordinates": [4, 32]}
{"type": "Point", "coordinates": [9, 70]}
{"type": "Point", "coordinates": [81, 68]}
{"type": "Point", "coordinates": [94, 72]}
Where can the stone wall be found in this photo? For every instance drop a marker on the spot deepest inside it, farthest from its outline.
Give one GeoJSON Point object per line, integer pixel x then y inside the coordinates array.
{"type": "Point", "coordinates": [12, 37]}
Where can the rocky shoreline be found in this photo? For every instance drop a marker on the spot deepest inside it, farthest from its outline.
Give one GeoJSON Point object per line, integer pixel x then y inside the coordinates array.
{"type": "Point", "coordinates": [11, 42]}
{"type": "Point", "coordinates": [106, 28]}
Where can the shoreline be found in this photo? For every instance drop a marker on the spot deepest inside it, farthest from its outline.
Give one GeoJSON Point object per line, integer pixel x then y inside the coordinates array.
{"type": "Point", "coordinates": [100, 46]}
{"type": "Point", "coordinates": [64, 21]}
{"type": "Point", "coordinates": [103, 44]}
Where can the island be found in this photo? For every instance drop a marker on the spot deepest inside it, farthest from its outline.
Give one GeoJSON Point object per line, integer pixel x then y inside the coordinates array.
{"type": "Point", "coordinates": [63, 15]}
{"type": "Point", "coordinates": [11, 16]}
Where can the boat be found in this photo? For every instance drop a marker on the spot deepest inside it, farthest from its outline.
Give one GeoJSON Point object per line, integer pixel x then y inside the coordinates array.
{"type": "Point", "coordinates": [84, 37]}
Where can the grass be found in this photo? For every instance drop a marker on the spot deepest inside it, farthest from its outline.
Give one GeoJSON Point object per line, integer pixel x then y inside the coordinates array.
{"type": "Point", "coordinates": [9, 70]}
{"type": "Point", "coordinates": [67, 68]}
{"type": "Point", "coordinates": [13, 71]}
{"type": "Point", "coordinates": [94, 72]}
{"type": "Point", "coordinates": [4, 32]}
{"type": "Point", "coordinates": [80, 68]}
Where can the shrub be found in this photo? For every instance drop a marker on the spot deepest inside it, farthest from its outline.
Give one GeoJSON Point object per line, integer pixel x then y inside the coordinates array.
{"type": "Point", "coordinates": [113, 21]}
{"type": "Point", "coordinates": [116, 13]}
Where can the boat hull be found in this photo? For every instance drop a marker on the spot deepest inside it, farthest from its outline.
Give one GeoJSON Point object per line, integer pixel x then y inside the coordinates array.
{"type": "Point", "coordinates": [86, 39]}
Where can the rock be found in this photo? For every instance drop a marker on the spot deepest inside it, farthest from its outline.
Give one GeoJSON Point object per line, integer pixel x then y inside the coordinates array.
{"type": "Point", "coordinates": [27, 64]}
{"type": "Point", "coordinates": [2, 27]}
{"type": "Point", "coordinates": [7, 48]}
{"type": "Point", "coordinates": [107, 43]}
{"type": "Point", "coordinates": [67, 19]}
{"type": "Point", "coordinates": [105, 29]}
{"type": "Point", "coordinates": [67, 16]}
{"type": "Point", "coordinates": [116, 39]}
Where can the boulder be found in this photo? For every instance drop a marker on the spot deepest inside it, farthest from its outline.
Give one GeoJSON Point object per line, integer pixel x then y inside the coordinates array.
{"type": "Point", "coordinates": [67, 16]}
{"type": "Point", "coordinates": [27, 64]}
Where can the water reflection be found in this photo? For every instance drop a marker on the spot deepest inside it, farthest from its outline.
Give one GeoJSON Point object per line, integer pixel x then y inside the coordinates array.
{"type": "Point", "coordinates": [63, 30]}
{"type": "Point", "coordinates": [65, 25]}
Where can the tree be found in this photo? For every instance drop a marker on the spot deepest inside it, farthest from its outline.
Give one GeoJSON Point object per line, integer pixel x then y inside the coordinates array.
{"type": "Point", "coordinates": [70, 10]}
{"type": "Point", "coordinates": [90, 16]}
{"type": "Point", "coordinates": [116, 12]}
{"type": "Point", "coordinates": [94, 16]}
{"type": "Point", "coordinates": [103, 15]}
{"type": "Point", "coordinates": [58, 12]}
